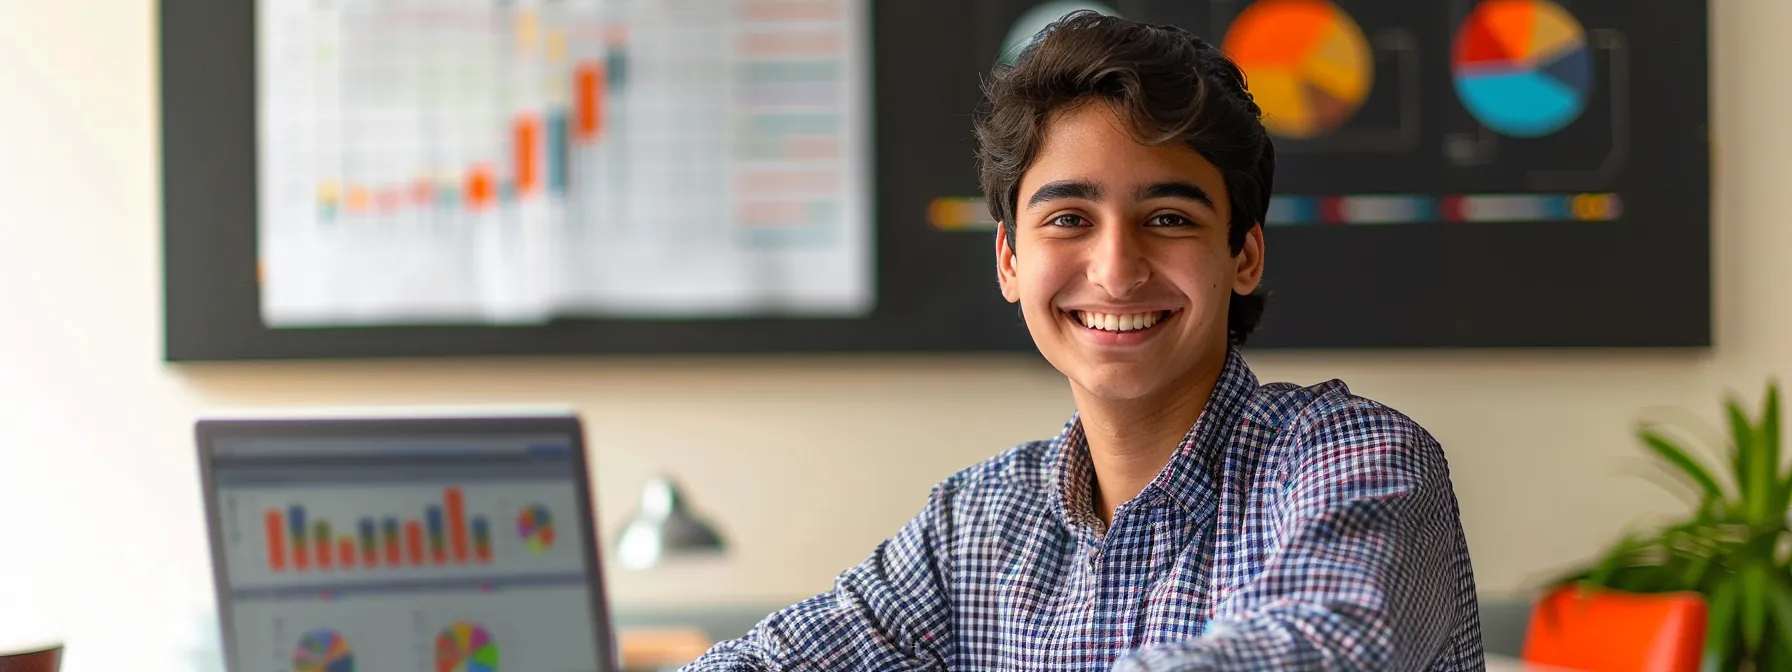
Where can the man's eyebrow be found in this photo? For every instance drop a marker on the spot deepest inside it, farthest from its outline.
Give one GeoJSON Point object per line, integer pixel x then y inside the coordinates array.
{"type": "Point", "coordinates": [1183, 190]}
{"type": "Point", "coordinates": [1062, 189]}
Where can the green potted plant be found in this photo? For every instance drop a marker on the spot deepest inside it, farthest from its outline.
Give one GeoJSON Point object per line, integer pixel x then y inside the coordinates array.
{"type": "Point", "coordinates": [1733, 547]}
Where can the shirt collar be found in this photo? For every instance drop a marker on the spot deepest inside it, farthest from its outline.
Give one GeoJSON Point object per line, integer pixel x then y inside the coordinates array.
{"type": "Point", "coordinates": [1188, 478]}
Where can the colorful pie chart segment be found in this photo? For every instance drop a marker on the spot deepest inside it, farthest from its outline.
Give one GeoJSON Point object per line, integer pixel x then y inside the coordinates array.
{"type": "Point", "coordinates": [1306, 62]}
{"type": "Point", "coordinates": [1522, 67]}
{"type": "Point", "coordinates": [466, 647]}
{"type": "Point", "coordinates": [323, 651]}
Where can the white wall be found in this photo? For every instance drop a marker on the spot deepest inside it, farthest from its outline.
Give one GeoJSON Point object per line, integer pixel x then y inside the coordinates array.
{"type": "Point", "coordinates": [807, 462]}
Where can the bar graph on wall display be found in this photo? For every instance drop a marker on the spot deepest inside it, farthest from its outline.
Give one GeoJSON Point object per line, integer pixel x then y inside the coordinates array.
{"type": "Point", "coordinates": [509, 161]}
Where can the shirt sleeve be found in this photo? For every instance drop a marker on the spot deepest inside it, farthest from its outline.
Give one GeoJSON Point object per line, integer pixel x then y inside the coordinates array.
{"type": "Point", "coordinates": [890, 612]}
{"type": "Point", "coordinates": [1368, 571]}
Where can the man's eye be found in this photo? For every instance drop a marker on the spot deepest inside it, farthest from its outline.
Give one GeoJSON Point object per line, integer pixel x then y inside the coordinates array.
{"type": "Point", "coordinates": [1066, 221]}
{"type": "Point", "coordinates": [1171, 221]}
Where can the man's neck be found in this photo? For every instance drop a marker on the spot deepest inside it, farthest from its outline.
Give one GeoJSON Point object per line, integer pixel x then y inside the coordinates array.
{"type": "Point", "coordinates": [1131, 440]}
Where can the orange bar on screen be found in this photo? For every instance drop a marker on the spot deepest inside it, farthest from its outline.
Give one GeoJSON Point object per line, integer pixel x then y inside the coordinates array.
{"type": "Point", "coordinates": [589, 100]}
{"type": "Point", "coordinates": [346, 548]}
{"type": "Point", "coordinates": [275, 522]}
{"type": "Point", "coordinates": [527, 154]}
{"type": "Point", "coordinates": [323, 552]}
{"type": "Point", "coordinates": [457, 524]}
{"type": "Point", "coordinates": [413, 541]}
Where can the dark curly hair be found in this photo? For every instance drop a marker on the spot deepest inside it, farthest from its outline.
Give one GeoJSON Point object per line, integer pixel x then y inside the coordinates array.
{"type": "Point", "coordinates": [1168, 83]}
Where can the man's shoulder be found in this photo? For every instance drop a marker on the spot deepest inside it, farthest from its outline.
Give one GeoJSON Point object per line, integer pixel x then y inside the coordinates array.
{"type": "Point", "coordinates": [1020, 474]}
{"type": "Point", "coordinates": [1329, 422]}
{"type": "Point", "coordinates": [1025, 464]}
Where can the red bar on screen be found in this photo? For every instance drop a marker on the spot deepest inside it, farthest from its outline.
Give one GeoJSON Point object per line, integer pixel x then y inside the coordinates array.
{"type": "Point", "coordinates": [346, 548]}
{"type": "Point", "coordinates": [275, 523]}
{"type": "Point", "coordinates": [413, 541]}
{"type": "Point", "coordinates": [457, 524]}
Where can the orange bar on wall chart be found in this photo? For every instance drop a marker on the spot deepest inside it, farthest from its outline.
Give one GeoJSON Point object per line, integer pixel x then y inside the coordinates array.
{"type": "Point", "coordinates": [457, 524]}
{"type": "Point", "coordinates": [589, 100]}
{"type": "Point", "coordinates": [527, 154]}
{"type": "Point", "coordinates": [479, 188]}
{"type": "Point", "coordinates": [275, 522]}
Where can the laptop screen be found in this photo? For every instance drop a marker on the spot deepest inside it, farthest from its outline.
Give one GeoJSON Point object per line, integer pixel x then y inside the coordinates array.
{"type": "Point", "coordinates": [404, 545]}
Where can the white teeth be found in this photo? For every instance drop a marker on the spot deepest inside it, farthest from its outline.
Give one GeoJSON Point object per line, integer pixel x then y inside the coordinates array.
{"type": "Point", "coordinates": [1111, 322]}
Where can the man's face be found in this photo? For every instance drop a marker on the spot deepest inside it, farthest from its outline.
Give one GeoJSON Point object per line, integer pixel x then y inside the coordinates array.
{"type": "Point", "coordinates": [1120, 262]}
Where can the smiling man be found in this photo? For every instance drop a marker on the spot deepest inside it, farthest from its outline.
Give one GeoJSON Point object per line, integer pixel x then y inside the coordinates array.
{"type": "Point", "coordinates": [1187, 517]}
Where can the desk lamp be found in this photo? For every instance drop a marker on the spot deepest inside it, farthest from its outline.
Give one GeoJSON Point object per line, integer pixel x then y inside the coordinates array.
{"type": "Point", "coordinates": [665, 529]}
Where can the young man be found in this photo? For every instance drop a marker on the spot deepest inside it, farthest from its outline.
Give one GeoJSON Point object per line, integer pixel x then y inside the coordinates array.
{"type": "Point", "coordinates": [1187, 518]}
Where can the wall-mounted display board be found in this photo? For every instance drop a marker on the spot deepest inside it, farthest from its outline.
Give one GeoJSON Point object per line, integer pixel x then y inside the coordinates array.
{"type": "Point", "coordinates": [394, 178]}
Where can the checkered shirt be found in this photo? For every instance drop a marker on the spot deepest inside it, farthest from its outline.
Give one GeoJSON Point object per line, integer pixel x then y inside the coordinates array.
{"type": "Point", "coordinates": [1294, 529]}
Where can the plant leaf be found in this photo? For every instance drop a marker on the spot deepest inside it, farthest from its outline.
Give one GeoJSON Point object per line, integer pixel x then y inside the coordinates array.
{"type": "Point", "coordinates": [1753, 599]}
{"type": "Point", "coordinates": [1602, 573]}
{"type": "Point", "coordinates": [1748, 458]}
{"type": "Point", "coordinates": [1720, 618]}
{"type": "Point", "coordinates": [1779, 597]}
{"type": "Point", "coordinates": [1680, 459]}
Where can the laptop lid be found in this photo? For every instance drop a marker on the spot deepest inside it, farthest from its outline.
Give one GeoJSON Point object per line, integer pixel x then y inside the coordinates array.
{"type": "Point", "coordinates": [344, 544]}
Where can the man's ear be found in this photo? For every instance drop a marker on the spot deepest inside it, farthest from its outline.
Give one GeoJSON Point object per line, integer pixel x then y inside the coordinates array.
{"type": "Point", "coordinates": [1005, 265]}
{"type": "Point", "coordinates": [1249, 262]}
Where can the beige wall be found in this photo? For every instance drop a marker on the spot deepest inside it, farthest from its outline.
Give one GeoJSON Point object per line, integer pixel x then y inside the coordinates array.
{"type": "Point", "coordinates": [807, 462]}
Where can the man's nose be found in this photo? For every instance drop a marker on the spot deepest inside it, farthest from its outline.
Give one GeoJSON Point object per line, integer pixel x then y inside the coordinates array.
{"type": "Point", "coordinates": [1117, 262]}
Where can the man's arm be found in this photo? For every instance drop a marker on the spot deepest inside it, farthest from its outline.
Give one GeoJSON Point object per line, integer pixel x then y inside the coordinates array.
{"type": "Point", "coordinates": [888, 613]}
{"type": "Point", "coordinates": [1371, 571]}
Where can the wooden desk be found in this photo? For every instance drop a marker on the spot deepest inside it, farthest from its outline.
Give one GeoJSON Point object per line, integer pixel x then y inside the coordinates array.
{"type": "Point", "coordinates": [648, 649]}
{"type": "Point", "coordinates": [1508, 664]}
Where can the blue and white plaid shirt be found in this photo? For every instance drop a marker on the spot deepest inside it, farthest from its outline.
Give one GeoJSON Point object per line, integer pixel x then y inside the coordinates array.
{"type": "Point", "coordinates": [1295, 528]}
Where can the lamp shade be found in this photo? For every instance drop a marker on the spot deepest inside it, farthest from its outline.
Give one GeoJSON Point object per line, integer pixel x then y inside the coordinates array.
{"type": "Point", "coordinates": [665, 529]}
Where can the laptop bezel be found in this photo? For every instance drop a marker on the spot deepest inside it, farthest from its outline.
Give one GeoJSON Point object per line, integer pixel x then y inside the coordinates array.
{"type": "Point", "coordinates": [209, 430]}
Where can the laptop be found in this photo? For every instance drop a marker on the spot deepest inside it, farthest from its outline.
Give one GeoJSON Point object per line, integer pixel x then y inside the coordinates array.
{"type": "Point", "coordinates": [457, 543]}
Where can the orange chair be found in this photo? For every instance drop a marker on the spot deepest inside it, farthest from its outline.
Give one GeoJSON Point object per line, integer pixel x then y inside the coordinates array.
{"type": "Point", "coordinates": [41, 659]}
{"type": "Point", "coordinates": [1615, 631]}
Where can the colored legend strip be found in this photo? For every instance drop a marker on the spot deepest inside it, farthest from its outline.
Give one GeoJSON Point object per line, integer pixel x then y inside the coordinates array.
{"type": "Point", "coordinates": [960, 214]}
{"type": "Point", "coordinates": [969, 214]}
{"type": "Point", "coordinates": [1409, 209]}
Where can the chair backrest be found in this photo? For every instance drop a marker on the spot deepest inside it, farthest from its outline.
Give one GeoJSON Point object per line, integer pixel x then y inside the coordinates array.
{"type": "Point", "coordinates": [40, 660]}
{"type": "Point", "coordinates": [1599, 630]}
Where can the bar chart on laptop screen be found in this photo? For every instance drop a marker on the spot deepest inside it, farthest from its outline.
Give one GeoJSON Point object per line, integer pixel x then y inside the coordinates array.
{"type": "Point", "coordinates": [510, 161]}
{"type": "Point", "coordinates": [349, 535]}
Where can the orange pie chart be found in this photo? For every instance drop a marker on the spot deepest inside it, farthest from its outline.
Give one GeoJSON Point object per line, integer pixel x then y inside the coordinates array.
{"type": "Point", "coordinates": [1306, 63]}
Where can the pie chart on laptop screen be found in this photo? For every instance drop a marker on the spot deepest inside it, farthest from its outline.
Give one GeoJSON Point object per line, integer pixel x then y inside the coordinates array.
{"type": "Point", "coordinates": [1522, 67]}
